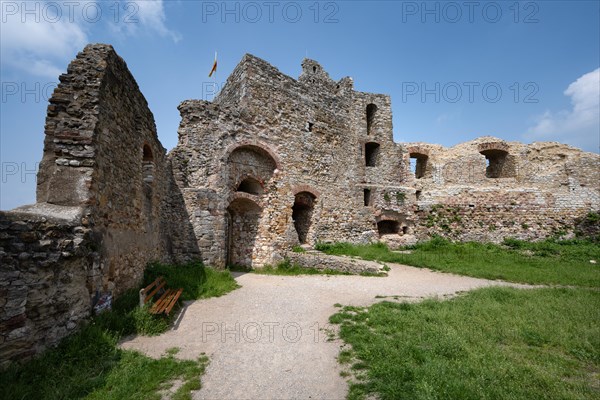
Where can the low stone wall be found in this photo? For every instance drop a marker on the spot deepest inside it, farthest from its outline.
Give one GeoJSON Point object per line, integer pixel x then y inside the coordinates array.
{"type": "Point", "coordinates": [46, 258]}
{"type": "Point", "coordinates": [321, 261]}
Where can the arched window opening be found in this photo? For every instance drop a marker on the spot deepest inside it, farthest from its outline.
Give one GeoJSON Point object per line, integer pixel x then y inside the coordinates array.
{"type": "Point", "coordinates": [250, 185]}
{"type": "Point", "coordinates": [302, 210]}
{"type": "Point", "coordinates": [388, 227]}
{"type": "Point", "coordinates": [418, 165]}
{"type": "Point", "coordinates": [371, 111]}
{"type": "Point", "coordinates": [249, 167]}
{"type": "Point", "coordinates": [371, 154]}
{"type": "Point", "coordinates": [147, 165]}
{"type": "Point", "coordinates": [499, 164]}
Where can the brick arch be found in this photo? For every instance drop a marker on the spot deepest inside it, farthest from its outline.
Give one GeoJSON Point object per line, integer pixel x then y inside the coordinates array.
{"type": "Point", "coordinates": [241, 197]}
{"type": "Point", "coordinates": [501, 146]}
{"type": "Point", "coordinates": [418, 150]}
{"type": "Point", "coordinates": [256, 145]}
{"type": "Point", "coordinates": [306, 188]}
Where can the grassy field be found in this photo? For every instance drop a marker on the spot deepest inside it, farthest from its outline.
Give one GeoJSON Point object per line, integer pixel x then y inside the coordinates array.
{"type": "Point", "coordinates": [549, 262]}
{"type": "Point", "coordinates": [493, 343]}
{"type": "Point", "coordinates": [89, 365]}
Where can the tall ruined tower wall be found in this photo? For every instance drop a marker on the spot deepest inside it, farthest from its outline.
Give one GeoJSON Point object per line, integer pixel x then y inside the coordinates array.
{"type": "Point", "coordinates": [313, 134]}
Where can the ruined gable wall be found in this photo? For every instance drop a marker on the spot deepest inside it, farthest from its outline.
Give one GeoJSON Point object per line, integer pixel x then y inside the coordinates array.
{"type": "Point", "coordinates": [130, 180]}
{"type": "Point", "coordinates": [99, 131]}
{"type": "Point", "coordinates": [102, 208]}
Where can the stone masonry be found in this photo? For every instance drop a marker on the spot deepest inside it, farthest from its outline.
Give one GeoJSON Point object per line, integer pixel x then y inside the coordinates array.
{"type": "Point", "coordinates": [272, 163]}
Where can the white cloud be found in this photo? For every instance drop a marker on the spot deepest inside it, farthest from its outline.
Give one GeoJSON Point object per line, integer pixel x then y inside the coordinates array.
{"type": "Point", "coordinates": [152, 15]}
{"type": "Point", "coordinates": [43, 40]}
{"type": "Point", "coordinates": [579, 126]}
{"type": "Point", "coordinates": [143, 15]}
{"type": "Point", "coordinates": [36, 44]}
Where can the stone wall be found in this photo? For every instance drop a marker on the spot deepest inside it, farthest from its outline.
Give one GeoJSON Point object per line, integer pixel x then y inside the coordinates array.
{"type": "Point", "coordinates": [325, 262]}
{"type": "Point", "coordinates": [542, 189]}
{"type": "Point", "coordinates": [312, 131]}
{"type": "Point", "coordinates": [102, 152]}
{"type": "Point", "coordinates": [45, 255]}
{"type": "Point", "coordinates": [317, 137]}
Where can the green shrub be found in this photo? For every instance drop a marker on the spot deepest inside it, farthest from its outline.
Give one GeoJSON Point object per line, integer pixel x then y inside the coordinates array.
{"type": "Point", "coordinates": [298, 249]}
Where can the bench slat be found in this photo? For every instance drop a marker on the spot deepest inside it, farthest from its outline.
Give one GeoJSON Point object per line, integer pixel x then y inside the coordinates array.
{"type": "Point", "coordinates": [158, 287]}
{"type": "Point", "coordinates": [166, 301]}
{"type": "Point", "coordinates": [160, 304]}
{"type": "Point", "coordinates": [155, 282]}
{"type": "Point", "coordinates": [174, 301]}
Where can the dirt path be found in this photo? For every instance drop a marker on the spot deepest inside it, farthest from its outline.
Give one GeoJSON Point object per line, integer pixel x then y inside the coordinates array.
{"type": "Point", "coordinates": [266, 339]}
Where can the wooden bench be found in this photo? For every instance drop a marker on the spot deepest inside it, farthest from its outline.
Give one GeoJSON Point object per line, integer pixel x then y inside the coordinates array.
{"type": "Point", "coordinates": [166, 297]}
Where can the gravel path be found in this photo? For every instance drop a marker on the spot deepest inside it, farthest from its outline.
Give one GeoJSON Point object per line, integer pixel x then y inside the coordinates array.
{"type": "Point", "coordinates": [268, 339]}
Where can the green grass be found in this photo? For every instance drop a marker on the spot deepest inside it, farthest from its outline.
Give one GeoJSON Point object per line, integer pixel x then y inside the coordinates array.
{"type": "Point", "coordinates": [298, 249]}
{"type": "Point", "coordinates": [493, 343]}
{"type": "Point", "coordinates": [547, 262]}
{"type": "Point", "coordinates": [197, 281]}
{"type": "Point", "coordinates": [89, 365]}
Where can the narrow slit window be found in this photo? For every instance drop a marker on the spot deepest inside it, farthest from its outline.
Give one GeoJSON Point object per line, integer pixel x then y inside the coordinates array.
{"type": "Point", "coordinates": [371, 112]}
{"type": "Point", "coordinates": [147, 165]}
{"type": "Point", "coordinates": [367, 197]}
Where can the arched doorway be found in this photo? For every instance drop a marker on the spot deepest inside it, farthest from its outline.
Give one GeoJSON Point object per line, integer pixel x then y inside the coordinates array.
{"type": "Point", "coordinates": [250, 170]}
{"type": "Point", "coordinates": [243, 216]}
{"type": "Point", "coordinates": [302, 211]}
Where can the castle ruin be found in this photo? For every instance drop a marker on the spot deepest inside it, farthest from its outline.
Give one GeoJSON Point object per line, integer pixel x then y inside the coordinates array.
{"type": "Point", "coordinates": [273, 162]}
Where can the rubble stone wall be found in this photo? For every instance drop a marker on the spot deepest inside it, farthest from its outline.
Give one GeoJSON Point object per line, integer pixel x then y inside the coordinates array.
{"type": "Point", "coordinates": [314, 132]}
{"type": "Point", "coordinates": [45, 254]}
{"type": "Point", "coordinates": [545, 190]}
{"type": "Point", "coordinates": [321, 137]}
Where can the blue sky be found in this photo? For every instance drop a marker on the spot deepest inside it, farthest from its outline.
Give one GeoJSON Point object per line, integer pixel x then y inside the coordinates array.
{"type": "Point", "coordinates": [525, 71]}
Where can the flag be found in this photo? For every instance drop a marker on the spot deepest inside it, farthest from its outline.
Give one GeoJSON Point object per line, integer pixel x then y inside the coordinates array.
{"type": "Point", "coordinates": [214, 67]}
